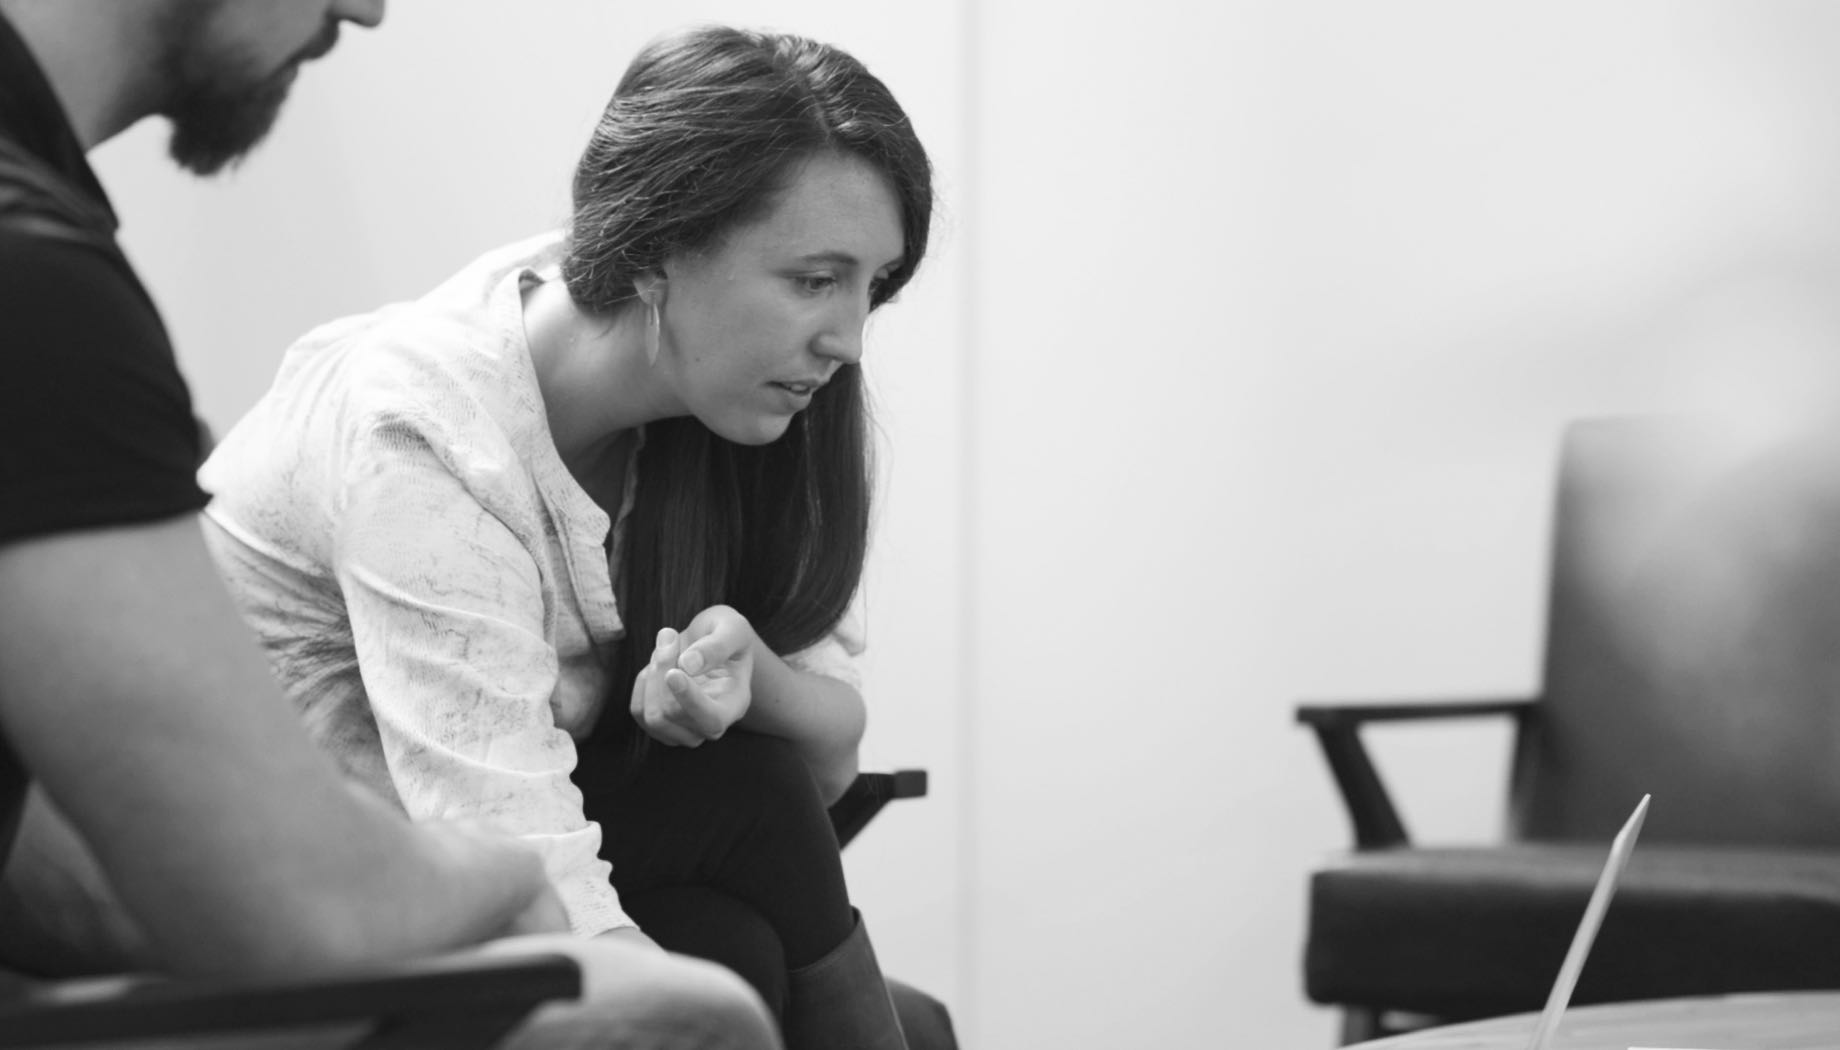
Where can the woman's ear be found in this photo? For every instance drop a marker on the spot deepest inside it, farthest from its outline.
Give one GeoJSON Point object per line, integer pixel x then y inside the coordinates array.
{"type": "Point", "coordinates": [650, 288]}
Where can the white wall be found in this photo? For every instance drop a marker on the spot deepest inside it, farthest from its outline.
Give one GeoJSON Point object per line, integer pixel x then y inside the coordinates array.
{"type": "Point", "coordinates": [1236, 378]}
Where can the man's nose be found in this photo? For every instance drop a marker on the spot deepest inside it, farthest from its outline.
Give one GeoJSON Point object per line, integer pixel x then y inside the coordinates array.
{"type": "Point", "coordinates": [367, 13]}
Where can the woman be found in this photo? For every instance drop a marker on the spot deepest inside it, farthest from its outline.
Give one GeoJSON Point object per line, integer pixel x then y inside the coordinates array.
{"type": "Point", "coordinates": [622, 467]}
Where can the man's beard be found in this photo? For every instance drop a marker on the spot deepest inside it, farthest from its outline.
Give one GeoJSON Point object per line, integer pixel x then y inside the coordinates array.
{"type": "Point", "coordinates": [215, 124]}
{"type": "Point", "coordinates": [221, 105]}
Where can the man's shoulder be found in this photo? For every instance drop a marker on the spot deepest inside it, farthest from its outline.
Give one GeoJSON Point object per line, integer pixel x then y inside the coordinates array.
{"type": "Point", "coordinates": [70, 305]}
{"type": "Point", "coordinates": [36, 261]}
{"type": "Point", "coordinates": [59, 261]}
{"type": "Point", "coordinates": [58, 251]}
{"type": "Point", "coordinates": [38, 205]}
{"type": "Point", "coordinates": [96, 423]}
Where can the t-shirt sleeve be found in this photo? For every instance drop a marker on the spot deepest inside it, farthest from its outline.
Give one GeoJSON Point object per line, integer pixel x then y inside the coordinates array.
{"type": "Point", "coordinates": [96, 424]}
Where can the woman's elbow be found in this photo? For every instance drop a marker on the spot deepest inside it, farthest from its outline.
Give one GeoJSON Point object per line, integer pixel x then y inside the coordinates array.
{"type": "Point", "coordinates": [835, 776]}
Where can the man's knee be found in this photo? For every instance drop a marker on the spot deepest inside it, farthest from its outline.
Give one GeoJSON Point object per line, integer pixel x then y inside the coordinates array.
{"type": "Point", "coordinates": [641, 999]}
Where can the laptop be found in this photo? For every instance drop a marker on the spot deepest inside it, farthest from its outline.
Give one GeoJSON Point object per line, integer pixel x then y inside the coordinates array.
{"type": "Point", "coordinates": [1561, 993]}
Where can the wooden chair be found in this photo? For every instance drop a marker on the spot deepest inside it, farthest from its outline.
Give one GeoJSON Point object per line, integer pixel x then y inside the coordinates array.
{"type": "Point", "coordinates": [1693, 651]}
{"type": "Point", "coordinates": [866, 796]}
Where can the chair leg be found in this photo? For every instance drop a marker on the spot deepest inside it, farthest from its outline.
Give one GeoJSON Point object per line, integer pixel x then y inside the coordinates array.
{"type": "Point", "coordinates": [1359, 1024]}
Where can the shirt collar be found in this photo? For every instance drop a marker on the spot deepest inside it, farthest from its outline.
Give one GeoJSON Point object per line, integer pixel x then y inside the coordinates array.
{"type": "Point", "coordinates": [33, 118]}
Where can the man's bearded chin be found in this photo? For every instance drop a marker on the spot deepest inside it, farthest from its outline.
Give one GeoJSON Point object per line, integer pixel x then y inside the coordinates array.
{"type": "Point", "coordinates": [221, 103]}
{"type": "Point", "coordinates": [216, 119]}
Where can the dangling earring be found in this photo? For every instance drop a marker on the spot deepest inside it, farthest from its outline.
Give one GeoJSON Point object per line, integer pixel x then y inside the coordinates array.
{"type": "Point", "coordinates": [651, 336]}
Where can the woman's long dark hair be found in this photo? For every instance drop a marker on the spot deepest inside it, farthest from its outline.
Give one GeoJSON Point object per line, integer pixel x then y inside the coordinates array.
{"type": "Point", "coordinates": [701, 134]}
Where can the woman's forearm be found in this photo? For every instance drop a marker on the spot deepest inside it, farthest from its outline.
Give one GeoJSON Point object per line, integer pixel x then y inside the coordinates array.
{"type": "Point", "coordinates": [820, 716]}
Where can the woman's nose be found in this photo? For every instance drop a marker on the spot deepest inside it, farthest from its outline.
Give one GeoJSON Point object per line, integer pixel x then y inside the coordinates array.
{"type": "Point", "coordinates": [843, 340]}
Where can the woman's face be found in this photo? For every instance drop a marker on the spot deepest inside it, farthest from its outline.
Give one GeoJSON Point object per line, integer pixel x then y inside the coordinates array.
{"type": "Point", "coordinates": [752, 327]}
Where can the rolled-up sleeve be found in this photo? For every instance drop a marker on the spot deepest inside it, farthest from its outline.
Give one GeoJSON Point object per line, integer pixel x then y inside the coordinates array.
{"type": "Point", "coordinates": [447, 610]}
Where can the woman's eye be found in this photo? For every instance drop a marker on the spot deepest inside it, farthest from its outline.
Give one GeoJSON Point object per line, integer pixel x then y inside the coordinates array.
{"type": "Point", "coordinates": [816, 282]}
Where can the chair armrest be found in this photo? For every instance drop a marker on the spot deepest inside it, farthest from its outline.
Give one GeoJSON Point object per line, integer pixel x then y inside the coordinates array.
{"type": "Point", "coordinates": [458, 1001]}
{"type": "Point", "coordinates": [866, 796]}
{"type": "Point", "coordinates": [1338, 731]}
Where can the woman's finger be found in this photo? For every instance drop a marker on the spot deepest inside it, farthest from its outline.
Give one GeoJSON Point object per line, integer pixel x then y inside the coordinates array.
{"type": "Point", "coordinates": [659, 724]}
{"type": "Point", "coordinates": [702, 657]}
{"type": "Point", "coordinates": [652, 706]}
{"type": "Point", "coordinates": [714, 637]}
{"type": "Point", "coordinates": [641, 682]}
{"type": "Point", "coordinates": [667, 704]}
{"type": "Point", "coordinates": [697, 712]}
{"type": "Point", "coordinates": [666, 649]}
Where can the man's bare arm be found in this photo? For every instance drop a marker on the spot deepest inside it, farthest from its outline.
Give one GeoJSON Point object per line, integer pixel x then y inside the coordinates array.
{"type": "Point", "coordinates": [132, 691]}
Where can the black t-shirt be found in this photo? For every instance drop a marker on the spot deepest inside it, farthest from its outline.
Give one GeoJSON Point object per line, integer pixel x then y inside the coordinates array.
{"type": "Point", "coordinates": [96, 424]}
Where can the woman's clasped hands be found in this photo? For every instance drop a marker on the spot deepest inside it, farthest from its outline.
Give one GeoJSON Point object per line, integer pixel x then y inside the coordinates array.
{"type": "Point", "coordinates": [698, 682]}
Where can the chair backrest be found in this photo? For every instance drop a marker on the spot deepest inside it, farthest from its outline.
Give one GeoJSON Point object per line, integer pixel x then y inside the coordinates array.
{"type": "Point", "coordinates": [1693, 639]}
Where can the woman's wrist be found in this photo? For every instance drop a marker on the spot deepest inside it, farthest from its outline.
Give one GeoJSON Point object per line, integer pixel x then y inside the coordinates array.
{"type": "Point", "coordinates": [773, 686]}
{"type": "Point", "coordinates": [821, 717]}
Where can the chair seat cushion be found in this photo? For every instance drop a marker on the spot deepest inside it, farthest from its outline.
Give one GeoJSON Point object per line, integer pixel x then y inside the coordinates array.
{"type": "Point", "coordinates": [1478, 932]}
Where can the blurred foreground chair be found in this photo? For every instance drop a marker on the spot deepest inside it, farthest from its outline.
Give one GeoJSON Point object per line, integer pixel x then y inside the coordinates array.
{"type": "Point", "coordinates": [452, 1002]}
{"type": "Point", "coordinates": [1693, 651]}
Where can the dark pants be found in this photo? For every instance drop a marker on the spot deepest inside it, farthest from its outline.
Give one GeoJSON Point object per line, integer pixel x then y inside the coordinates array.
{"type": "Point", "coordinates": [725, 852]}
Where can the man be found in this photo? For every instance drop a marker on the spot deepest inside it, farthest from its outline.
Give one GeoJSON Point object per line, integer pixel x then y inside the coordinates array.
{"type": "Point", "coordinates": [130, 692]}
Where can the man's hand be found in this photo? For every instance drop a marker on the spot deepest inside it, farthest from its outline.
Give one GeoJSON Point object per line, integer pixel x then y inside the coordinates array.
{"type": "Point", "coordinates": [698, 683]}
{"type": "Point", "coordinates": [473, 850]}
{"type": "Point", "coordinates": [544, 915]}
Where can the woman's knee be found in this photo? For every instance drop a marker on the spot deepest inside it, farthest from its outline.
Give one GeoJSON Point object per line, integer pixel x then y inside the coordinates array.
{"type": "Point", "coordinates": [764, 784]}
{"type": "Point", "coordinates": [712, 925]}
{"type": "Point", "coordinates": [753, 764]}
